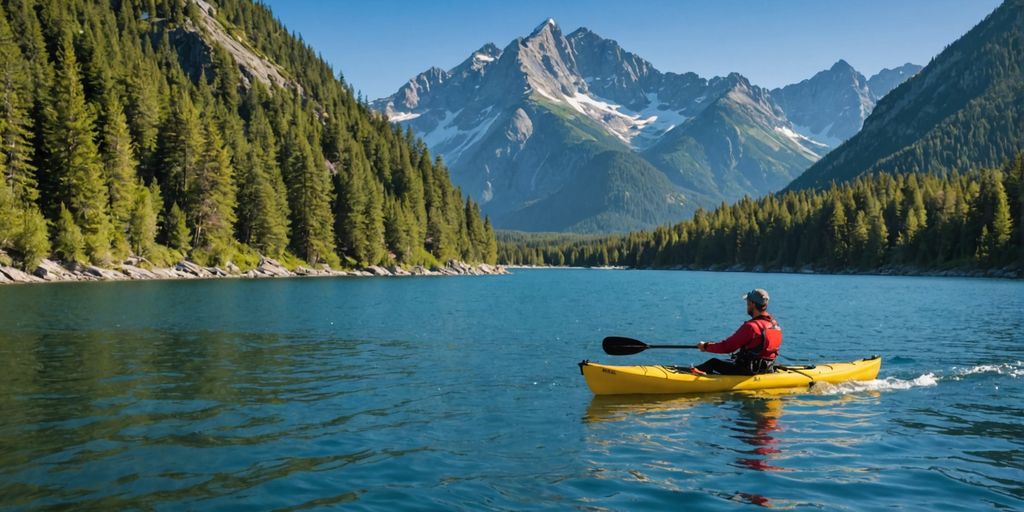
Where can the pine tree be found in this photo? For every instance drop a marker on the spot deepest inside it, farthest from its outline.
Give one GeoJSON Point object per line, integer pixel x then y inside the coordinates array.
{"type": "Point", "coordinates": [838, 237]}
{"type": "Point", "coordinates": [982, 251]}
{"type": "Point", "coordinates": [27, 28]}
{"type": "Point", "coordinates": [70, 244]}
{"type": "Point", "coordinates": [262, 200]}
{"type": "Point", "coordinates": [143, 113]}
{"type": "Point", "coordinates": [143, 222]}
{"type": "Point", "coordinates": [32, 241]}
{"type": "Point", "coordinates": [396, 230]}
{"type": "Point", "coordinates": [476, 231]}
{"type": "Point", "coordinates": [120, 171]}
{"type": "Point", "coordinates": [176, 231]}
{"type": "Point", "coordinates": [351, 204]}
{"type": "Point", "coordinates": [1015, 193]}
{"type": "Point", "coordinates": [1002, 225]}
{"type": "Point", "coordinates": [181, 145]}
{"type": "Point", "coordinates": [373, 223]}
{"type": "Point", "coordinates": [15, 118]}
{"type": "Point", "coordinates": [860, 236]}
{"type": "Point", "coordinates": [211, 196]}
{"type": "Point", "coordinates": [9, 213]}
{"type": "Point", "coordinates": [491, 245]}
{"type": "Point", "coordinates": [74, 158]}
{"type": "Point", "coordinates": [308, 197]}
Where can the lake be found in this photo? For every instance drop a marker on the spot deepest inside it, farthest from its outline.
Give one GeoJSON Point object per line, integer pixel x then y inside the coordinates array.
{"type": "Point", "coordinates": [462, 393]}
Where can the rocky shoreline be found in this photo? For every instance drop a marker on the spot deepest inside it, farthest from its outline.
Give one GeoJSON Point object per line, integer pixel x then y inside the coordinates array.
{"type": "Point", "coordinates": [50, 271]}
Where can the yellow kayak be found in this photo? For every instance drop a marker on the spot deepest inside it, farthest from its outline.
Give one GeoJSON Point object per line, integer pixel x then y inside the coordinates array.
{"type": "Point", "coordinates": [629, 380]}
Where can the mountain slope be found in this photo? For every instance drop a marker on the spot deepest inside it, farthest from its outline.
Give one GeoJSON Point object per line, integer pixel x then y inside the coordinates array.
{"type": "Point", "coordinates": [520, 126]}
{"type": "Point", "coordinates": [964, 109]}
{"type": "Point", "coordinates": [624, 191]}
{"type": "Point", "coordinates": [887, 79]}
{"type": "Point", "coordinates": [738, 143]}
{"type": "Point", "coordinates": [831, 106]}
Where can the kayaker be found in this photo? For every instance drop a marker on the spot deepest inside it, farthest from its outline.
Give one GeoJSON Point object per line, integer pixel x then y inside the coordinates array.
{"type": "Point", "coordinates": [753, 346]}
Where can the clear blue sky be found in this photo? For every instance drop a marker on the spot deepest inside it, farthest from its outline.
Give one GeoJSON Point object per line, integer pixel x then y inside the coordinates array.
{"type": "Point", "coordinates": [380, 44]}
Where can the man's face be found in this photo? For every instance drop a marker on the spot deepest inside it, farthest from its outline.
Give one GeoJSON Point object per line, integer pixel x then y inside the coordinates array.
{"type": "Point", "coordinates": [750, 308]}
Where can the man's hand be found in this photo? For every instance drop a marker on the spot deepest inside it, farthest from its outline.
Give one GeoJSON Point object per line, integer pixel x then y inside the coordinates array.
{"type": "Point", "coordinates": [702, 346]}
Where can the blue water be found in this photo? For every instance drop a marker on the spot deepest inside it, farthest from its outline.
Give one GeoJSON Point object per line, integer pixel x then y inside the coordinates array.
{"type": "Point", "coordinates": [463, 393]}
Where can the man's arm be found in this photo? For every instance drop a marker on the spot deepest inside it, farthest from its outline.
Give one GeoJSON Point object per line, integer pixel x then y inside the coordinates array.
{"type": "Point", "coordinates": [738, 340]}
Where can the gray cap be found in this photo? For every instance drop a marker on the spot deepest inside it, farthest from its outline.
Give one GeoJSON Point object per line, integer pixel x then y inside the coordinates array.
{"type": "Point", "coordinates": [758, 296]}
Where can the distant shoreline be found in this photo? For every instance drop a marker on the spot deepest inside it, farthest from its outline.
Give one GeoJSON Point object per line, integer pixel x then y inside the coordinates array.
{"type": "Point", "coordinates": [995, 273]}
{"type": "Point", "coordinates": [50, 271]}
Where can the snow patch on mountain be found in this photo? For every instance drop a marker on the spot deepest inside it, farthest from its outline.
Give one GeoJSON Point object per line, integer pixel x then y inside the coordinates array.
{"type": "Point", "coordinates": [453, 141]}
{"type": "Point", "coordinates": [805, 143]}
{"type": "Point", "coordinates": [398, 117]}
{"type": "Point", "coordinates": [638, 129]}
{"type": "Point", "coordinates": [821, 138]}
{"type": "Point", "coordinates": [665, 119]}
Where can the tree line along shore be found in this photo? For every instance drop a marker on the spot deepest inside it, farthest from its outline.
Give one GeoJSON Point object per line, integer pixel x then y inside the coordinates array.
{"type": "Point", "coordinates": [954, 224]}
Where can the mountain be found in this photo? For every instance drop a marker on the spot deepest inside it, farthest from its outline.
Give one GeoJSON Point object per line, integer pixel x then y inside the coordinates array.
{"type": "Point", "coordinates": [575, 119]}
{"type": "Point", "coordinates": [831, 106]}
{"type": "Point", "coordinates": [888, 79]}
{"type": "Point", "coordinates": [203, 130]}
{"type": "Point", "coordinates": [739, 144]}
{"type": "Point", "coordinates": [527, 124]}
{"type": "Point", "coordinates": [964, 110]}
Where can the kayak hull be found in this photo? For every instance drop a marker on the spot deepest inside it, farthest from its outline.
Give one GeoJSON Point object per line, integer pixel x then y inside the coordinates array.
{"type": "Point", "coordinates": [655, 379]}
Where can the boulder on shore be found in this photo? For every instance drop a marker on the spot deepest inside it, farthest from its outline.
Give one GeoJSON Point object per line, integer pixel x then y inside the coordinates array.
{"type": "Point", "coordinates": [270, 267]}
{"type": "Point", "coordinates": [17, 276]}
{"type": "Point", "coordinates": [398, 271]}
{"type": "Point", "coordinates": [49, 270]}
{"type": "Point", "coordinates": [137, 273]}
{"type": "Point", "coordinates": [377, 271]}
{"type": "Point", "coordinates": [190, 268]}
{"type": "Point", "coordinates": [102, 273]}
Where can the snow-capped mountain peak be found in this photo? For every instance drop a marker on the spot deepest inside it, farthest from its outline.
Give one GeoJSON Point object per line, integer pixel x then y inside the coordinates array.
{"type": "Point", "coordinates": [519, 123]}
{"type": "Point", "coordinates": [546, 24]}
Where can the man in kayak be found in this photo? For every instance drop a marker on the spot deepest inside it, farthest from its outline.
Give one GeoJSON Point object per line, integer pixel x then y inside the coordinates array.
{"type": "Point", "coordinates": [754, 345]}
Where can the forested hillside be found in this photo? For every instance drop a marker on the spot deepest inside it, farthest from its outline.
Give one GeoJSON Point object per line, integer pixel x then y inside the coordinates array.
{"type": "Point", "coordinates": [964, 110]}
{"type": "Point", "coordinates": [916, 220]}
{"type": "Point", "coordinates": [168, 129]}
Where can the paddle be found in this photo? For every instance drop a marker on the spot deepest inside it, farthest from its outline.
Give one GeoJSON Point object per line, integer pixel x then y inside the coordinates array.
{"type": "Point", "coordinates": [620, 346]}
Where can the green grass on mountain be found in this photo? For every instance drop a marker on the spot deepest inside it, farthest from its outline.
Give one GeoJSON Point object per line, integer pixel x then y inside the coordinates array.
{"type": "Point", "coordinates": [614, 191]}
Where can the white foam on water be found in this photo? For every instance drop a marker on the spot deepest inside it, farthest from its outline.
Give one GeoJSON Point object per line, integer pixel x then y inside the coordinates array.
{"type": "Point", "coordinates": [886, 384]}
{"type": "Point", "coordinates": [1015, 370]}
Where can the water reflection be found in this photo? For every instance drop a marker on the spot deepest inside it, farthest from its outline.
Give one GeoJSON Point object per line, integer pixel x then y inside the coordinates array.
{"type": "Point", "coordinates": [753, 499]}
{"type": "Point", "coordinates": [620, 407]}
{"type": "Point", "coordinates": [756, 423]}
{"type": "Point", "coordinates": [756, 426]}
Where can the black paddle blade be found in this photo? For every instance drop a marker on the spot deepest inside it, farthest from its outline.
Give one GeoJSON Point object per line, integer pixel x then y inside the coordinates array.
{"type": "Point", "coordinates": [620, 346]}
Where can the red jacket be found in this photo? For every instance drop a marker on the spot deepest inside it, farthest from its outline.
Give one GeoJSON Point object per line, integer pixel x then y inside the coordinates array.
{"type": "Point", "coordinates": [749, 336]}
